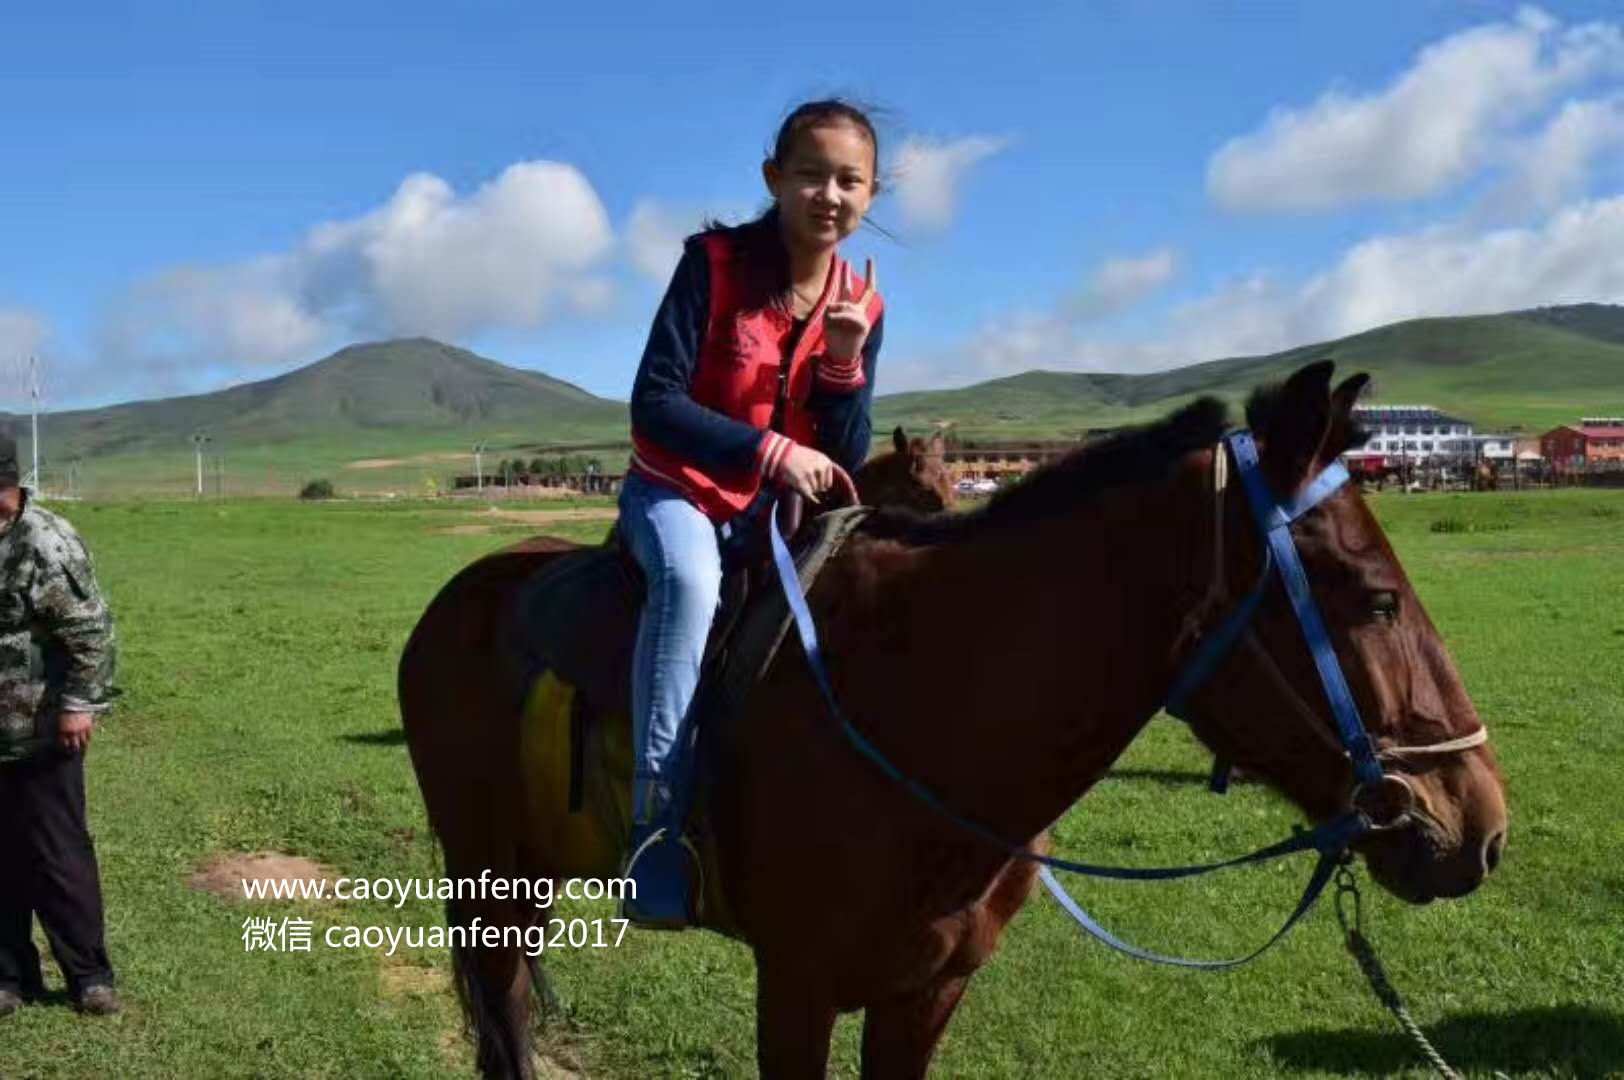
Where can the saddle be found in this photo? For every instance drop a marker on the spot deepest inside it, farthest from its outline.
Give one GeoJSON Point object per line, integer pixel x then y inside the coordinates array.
{"type": "Point", "coordinates": [574, 626]}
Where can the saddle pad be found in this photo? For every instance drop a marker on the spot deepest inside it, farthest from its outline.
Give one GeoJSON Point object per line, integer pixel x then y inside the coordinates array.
{"type": "Point", "coordinates": [577, 771]}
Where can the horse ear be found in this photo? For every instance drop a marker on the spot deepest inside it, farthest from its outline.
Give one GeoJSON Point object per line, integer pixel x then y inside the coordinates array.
{"type": "Point", "coordinates": [899, 439]}
{"type": "Point", "coordinates": [1344, 433]}
{"type": "Point", "coordinates": [1296, 431]}
{"type": "Point", "coordinates": [1347, 392]}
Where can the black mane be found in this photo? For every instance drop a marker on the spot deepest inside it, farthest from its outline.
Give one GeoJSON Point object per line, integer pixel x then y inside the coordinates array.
{"type": "Point", "coordinates": [1131, 455]}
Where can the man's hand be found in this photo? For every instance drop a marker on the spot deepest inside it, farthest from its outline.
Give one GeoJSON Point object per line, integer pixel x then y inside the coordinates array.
{"type": "Point", "coordinates": [74, 731]}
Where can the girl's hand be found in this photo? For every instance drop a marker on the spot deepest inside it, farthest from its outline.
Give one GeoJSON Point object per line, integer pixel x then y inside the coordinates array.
{"type": "Point", "coordinates": [845, 322]}
{"type": "Point", "coordinates": [810, 473]}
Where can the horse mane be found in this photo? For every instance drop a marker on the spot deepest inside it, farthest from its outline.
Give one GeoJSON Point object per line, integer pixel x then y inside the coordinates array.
{"type": "Point", "coordinates": [1127, 456]}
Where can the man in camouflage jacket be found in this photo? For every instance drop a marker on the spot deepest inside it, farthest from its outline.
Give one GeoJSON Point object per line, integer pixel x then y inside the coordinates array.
{"type": "Point", "coordinates": [56, 663]}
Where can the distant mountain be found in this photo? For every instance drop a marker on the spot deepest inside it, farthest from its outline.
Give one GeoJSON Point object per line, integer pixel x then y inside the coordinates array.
{"type": "Point", "coordinates": [359, 393]}
{"type": "Point", "coordinates": [418, 404]}
{"type": "Point", "coordinates": [1530, 369]}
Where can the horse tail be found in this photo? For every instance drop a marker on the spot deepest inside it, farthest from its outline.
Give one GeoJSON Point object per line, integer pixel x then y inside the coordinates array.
{"type": "Point", "coordinates": [501, 1048]}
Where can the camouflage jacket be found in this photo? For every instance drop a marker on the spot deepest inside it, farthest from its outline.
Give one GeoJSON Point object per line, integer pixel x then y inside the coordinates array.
{"type": "Point", "coordinates": [57, 649]}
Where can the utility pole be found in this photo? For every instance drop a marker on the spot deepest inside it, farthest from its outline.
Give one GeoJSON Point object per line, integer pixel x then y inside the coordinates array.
{"type": "Point", "coordinates": [479, 467]}
{"type": "Point", "coordinates": [199, 439]}
{"type": "Point", "coordinates": [33, 388]}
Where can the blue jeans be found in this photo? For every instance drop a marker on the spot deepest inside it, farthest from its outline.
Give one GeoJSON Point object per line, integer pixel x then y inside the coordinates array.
{"type": "Point", "coordinates": [677, 547]}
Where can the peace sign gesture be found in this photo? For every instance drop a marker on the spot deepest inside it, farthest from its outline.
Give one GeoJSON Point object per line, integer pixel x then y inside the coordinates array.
{"type": "Point", "coordinates": [845, 321]}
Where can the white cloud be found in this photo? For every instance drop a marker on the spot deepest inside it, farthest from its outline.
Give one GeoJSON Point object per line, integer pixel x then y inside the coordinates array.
{"type": "Point", "coordinates": [509, 254]}
{"type": "Point", "coordinates": [1121, 283]}
{"type": "Point", "coordinates": [1457, 110]}
{"type": "Point", "coordinates": [1575, 255]}
{"type": "Point", "coordinates": [653, 237]}
{"type": "Point", "coordinates": [929, 173]}
{"type": "Point", "coordinates": [22, 334]}
{"type": "Point", "coordinates": [1554, 165]}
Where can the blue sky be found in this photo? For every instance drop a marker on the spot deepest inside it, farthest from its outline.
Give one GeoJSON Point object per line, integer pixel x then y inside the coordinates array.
{"type": "Point", "coordinates": [196, 195]}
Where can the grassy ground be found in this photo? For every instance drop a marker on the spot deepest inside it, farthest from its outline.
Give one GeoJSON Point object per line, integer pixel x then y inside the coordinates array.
{"type": "Point", "coordinates": [405, 463]}
{"type": "Point", "coordinates": [259, 648]}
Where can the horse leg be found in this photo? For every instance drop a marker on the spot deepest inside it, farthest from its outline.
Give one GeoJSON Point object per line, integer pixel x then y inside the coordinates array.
{"type": "Point", "coordinates": [900, 1034]}
{"type": "Point", "coordinates": [794, 1023]}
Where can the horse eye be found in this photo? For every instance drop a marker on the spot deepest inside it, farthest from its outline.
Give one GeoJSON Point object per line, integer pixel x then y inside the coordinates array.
{"type": "Point", "coordinates": [1384, 606]}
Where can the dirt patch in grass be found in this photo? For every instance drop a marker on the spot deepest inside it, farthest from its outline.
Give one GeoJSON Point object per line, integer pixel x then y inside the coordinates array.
{"type": "Point", "coordinates": [400, 980]}
{"type": "Point", "coordinates": [551, 1058]}
{"type": "Point", "coordinates": [547, 517]}
{"type": "Point", "coordinates": [463, 530]}
{"type": "Point", "coordinates": [416, 459]}
{"type": "Point", "coordinates": [224, 874]}
{"type": "Point", "coordinates": [551, 1068]}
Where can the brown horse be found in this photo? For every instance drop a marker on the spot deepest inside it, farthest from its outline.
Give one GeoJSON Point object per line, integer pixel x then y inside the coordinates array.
{"type": "Point", "coordinates": [913, 475]}
{"type": "Point", "coordinates": [1080, 591]}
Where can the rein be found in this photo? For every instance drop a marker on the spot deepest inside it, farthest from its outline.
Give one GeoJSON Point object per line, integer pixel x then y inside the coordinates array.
{"type": "Point", "coordinates": [1331, 839]}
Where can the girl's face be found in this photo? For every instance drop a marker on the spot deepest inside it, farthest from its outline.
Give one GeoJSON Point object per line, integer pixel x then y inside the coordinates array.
{"type": "Point", "coordinates": [826, 185]}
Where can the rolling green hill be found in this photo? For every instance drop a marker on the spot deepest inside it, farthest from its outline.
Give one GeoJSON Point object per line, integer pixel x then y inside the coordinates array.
{"type": "Point", "coordinates": [385, 415]}
{"type": "Point", "coordinates": [388, 388]}
{"type": "Point", "coordinates": [402, 415]}
{"type": "Point", "coordinates": [1533, 370]}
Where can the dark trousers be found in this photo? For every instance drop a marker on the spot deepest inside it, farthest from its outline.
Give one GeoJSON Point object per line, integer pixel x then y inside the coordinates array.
{"type": "Point", "coordinates": [48, 868]}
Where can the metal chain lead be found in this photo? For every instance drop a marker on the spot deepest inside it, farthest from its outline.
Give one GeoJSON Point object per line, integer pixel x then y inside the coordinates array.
{"type": "Point", "coordinates": [1347, 896]}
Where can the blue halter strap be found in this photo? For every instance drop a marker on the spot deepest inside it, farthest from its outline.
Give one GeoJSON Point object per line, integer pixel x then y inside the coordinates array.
{"type": "Point", "coordinates": [1331, 840]}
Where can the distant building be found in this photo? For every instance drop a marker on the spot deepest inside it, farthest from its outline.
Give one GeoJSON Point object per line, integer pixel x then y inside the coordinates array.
{"type": "Point", "coordinates": [1001, 461]}
{"type": "Point", "coordinates": [1500, 449]}
{"type": "Point", "coordinates": [1416, 434]}
{"type": "Point", "coordinates": [1594, 440]}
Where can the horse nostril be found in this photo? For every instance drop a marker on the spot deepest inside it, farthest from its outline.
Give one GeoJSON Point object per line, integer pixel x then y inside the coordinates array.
{"type": "Point", "coordinates": [1493, 849]}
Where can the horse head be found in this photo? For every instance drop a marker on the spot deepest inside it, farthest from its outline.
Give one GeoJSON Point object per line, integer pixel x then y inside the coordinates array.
{"type": "Point", "coordinates": [912, 474]}
{"type": "Point", "coordinates": [1440, 806]}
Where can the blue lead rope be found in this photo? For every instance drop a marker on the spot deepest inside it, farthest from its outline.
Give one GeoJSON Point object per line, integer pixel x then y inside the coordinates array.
{"type": "Point", "coordinates": [1330, 839]}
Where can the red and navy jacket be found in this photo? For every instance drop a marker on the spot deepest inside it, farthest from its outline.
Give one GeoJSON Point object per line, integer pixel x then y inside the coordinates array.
{"type": "Point", "coordinates": [703, 402]}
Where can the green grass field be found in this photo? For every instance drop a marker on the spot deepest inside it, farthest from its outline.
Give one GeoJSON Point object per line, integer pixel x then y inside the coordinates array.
{"type": "Point", "coordinates": [259, 642]}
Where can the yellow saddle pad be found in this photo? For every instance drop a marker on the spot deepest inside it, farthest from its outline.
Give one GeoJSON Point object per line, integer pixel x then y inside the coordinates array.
{"type": "Point", "coordinates": [585, 838]}
{"type": "Point", "coordinates": [577, 770]}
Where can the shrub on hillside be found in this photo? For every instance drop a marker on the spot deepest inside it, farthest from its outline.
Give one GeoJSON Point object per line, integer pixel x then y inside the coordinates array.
{"type": "Point", "coordinates": [317, 489]}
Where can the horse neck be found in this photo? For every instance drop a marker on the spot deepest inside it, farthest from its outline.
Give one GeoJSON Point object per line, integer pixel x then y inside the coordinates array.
{"type": "Point", "coordinates": [1036, 654]}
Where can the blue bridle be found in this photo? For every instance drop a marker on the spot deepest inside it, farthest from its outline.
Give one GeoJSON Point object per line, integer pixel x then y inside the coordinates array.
{"type": "Point", "coordinates": [1331, 840]}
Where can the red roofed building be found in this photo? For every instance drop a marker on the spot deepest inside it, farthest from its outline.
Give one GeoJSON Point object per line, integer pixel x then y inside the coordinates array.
{"type": "Point", "coordinates": [1591, 441]}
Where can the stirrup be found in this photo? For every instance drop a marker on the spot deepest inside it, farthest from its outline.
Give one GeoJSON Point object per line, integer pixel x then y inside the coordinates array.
{"type": "Point", "coordinates": [692, 874]}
